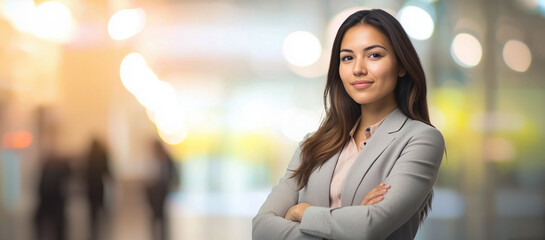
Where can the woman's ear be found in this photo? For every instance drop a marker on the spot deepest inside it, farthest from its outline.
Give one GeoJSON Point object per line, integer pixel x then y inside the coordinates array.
{"type": "Point", "coordinates": [402, 72]}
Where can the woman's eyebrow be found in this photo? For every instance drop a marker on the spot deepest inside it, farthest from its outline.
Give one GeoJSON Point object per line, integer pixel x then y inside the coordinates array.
{"type": "Point", "coordinates": [374, 46]}
{"type": "Point", "coordinates": [365, 49]}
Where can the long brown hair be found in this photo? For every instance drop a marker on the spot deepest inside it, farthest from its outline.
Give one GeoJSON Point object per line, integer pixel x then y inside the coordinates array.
{"type": "Point", "coordinates": [342, 111]}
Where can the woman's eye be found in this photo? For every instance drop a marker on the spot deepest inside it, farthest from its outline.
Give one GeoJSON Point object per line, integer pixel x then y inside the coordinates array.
{"type": "Point", "coordinates": [375, 55]}
{"type": "Point", "coordinates": [346, 58]}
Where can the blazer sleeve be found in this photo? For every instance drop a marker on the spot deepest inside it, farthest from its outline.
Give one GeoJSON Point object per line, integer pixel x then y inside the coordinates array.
{"type": "Point", "coordinates": [412, 178]}
{"type": "Point", "coordinates": [269, 223]}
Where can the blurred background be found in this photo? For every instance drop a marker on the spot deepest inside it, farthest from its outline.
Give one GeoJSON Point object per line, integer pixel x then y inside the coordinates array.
{"type": "Point", "coordinates": [229, 87]}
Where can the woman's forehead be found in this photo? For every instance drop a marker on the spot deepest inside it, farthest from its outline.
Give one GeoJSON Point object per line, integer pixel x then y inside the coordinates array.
{"type": "Point", "coordinates": [363, 35]}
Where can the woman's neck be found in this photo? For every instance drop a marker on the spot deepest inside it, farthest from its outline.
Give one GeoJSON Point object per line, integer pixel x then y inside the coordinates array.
{"type": "Point", "coordinates": [373, 113]}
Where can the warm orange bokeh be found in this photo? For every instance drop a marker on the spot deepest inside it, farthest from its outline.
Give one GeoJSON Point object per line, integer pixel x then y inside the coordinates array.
{"type": "Point", "coordinates": [17, 140]}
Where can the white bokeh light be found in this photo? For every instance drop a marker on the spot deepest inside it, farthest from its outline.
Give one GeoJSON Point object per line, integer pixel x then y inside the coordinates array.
{"type": "Point", "coordinates": [52, 21]}
{"type": "Point", "coordinates": [158, 97]}
{"type": "Point", "coordinates": [175, 137]}
{"type": "Point", "coordinates": [417, 22]}
{"type": "Point", "coordinates": [135, 74]}
{"type": "Point", "coordinates": [317, 69]}
{"type": "Point", "coordinates": [19, 13]}
{"type": "Point", "coordinates": [167, 115]}
{"type": "Point", "coordinates": [466, 50]}
{"type": "Point", "coordinates": [301, 48]}
{"type": "Point", "coordinates": [126, 23]}
{"type": "Point", "coordinates": [169, 121]}
{"type": "Point", "coordinates": [517, 55]}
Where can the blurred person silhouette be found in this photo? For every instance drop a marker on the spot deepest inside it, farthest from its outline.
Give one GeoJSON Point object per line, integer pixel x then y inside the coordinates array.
{"type": "Point", "coordinates": [164, 178]}
{"type": "Point", "coordinates": [50, 214]}
{"type": "Point", "coordinates": [96, 173]}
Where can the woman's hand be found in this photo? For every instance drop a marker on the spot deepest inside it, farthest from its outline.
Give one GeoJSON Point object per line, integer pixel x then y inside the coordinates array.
{"type": "Point", "coordinates": [296, 212]}
{"type": "Point", "coordinates": [375, 195]}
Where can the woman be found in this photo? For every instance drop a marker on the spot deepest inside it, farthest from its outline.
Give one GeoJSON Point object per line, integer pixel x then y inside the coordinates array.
{"type": "Point", "coordinates": [381, 187]}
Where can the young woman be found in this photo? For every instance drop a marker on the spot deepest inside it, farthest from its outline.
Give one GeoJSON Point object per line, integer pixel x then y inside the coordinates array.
{"type": "Point", "coordinates": [368, 171]}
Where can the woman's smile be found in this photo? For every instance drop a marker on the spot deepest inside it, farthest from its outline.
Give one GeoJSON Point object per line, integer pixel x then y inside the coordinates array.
{"type": "Point", "coordinates": [362, 84]}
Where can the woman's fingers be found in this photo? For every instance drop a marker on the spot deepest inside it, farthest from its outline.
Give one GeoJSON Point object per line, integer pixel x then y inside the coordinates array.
{"type": "Point", "coordinates": [375, 195]}
{"type": "Point", "coordinates": [375, 200]}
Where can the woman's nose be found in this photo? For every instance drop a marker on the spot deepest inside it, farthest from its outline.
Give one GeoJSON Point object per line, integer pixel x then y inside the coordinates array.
{"type": "Point", "coordinates": [359, 67]}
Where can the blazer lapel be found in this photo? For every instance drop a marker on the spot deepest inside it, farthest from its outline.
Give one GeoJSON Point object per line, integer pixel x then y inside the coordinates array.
{"type": "Point", "coordinates": [382, 138]}
{"type": "Point", "coordinates": [322, 178]}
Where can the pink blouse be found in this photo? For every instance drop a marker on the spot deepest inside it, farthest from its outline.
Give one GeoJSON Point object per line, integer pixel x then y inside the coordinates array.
{"type": "Point", "coordinates": [346, 159]}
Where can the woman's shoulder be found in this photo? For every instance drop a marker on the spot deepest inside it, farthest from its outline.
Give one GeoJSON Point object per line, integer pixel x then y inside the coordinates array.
{"type": "Point", "coordinates": [306, 137]}
{"type": "Point", "coordinates": [417, 128]}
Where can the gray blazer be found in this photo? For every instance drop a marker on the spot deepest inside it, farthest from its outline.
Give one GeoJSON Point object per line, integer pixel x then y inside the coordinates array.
{"type": "Point", "coordinates": [404, 153]}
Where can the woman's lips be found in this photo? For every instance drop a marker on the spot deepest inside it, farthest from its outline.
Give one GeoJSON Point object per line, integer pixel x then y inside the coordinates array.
{"type": "Point", "coordinates": [362, 84]}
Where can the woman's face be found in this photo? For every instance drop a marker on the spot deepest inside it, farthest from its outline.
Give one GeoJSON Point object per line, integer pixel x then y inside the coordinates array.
{"type": "Point", "coordinates": [368, 67]}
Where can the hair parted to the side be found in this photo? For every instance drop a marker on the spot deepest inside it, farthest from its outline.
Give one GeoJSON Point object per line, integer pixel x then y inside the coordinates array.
{"type": "Point", "coordinates": [342, 111]}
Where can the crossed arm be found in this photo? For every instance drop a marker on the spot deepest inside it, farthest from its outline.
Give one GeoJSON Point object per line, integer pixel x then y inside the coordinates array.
{"type": "Point", "coordinates": [273, 223]}
{"type": "Point", "coordinates": [411, 178]}
{"type": "Point", "coordinates": [374, 196]}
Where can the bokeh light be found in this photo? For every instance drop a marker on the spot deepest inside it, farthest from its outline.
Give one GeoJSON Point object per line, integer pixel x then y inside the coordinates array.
{"type": "Point", "coordinates": [168, 117]}
{"type": "Point", "coordinates": [417, 22]}
{"type": "Point", "coordinates": [136, 76]}
{"type": "Point", "coordinates": [466, 50]}
{"type": "Point", "coordinates": [126, 23]}
{"type": "Point", "coordinates": [158, 97]}
{"type": "Point", "coordinates": [517, 55]}
{"type": "Point", "coordinates": [52, 21]}
{"type": "Point", "coordinates": [301, 48]}
{"type": "Point", "coordinates": [173, 137]}
{"type": "Point", "coordinates": [19, 13]}
{"type": "Point", "coordinates": [16, 139]}
{"type": "Point", "coordinates": [317, 69]}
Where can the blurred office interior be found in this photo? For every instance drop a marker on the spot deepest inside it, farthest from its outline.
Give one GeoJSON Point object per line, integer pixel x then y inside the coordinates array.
{"type": "Point", "coordinates": [231, 86]}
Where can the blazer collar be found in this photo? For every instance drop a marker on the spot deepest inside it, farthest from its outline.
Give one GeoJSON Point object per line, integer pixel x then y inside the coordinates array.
{"type": "Point", "coordinates": [394, 121]}
{"type": "Point", "coordinates": [382, 138]}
